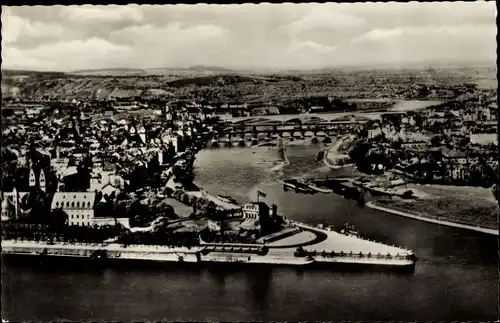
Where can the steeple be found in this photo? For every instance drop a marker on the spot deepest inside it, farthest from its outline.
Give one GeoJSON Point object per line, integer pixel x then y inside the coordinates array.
{"type": "Point", "coordinates": [32, 178]}
{"type": "Point", "coordinates": [42, 180]}
{"type": "Point", "coordinates": [160, 157]}
{"type": "Point", "coordinates": [142, 134]}
{"type": "Point", "coordinates": [15, 201]}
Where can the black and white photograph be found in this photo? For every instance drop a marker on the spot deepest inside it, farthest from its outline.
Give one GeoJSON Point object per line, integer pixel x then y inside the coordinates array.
{"type": "Point", "coordinates": [250, 162]}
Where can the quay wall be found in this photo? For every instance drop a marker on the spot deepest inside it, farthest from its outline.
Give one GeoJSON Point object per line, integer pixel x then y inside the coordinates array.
{"type": "Point", "coordinates": [113, 251]}
{"type": "Point", "coordinates": [192, 255]}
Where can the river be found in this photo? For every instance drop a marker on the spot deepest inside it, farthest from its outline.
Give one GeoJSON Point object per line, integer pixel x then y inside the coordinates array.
{"type": "Point", "coordinates": [398, 106]}
{"type": "Point", "coordinates": [455, 278]}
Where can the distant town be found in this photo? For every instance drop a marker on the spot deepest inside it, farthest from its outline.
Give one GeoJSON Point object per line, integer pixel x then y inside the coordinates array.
{"type": "Point", "coordinates": [115, 165]}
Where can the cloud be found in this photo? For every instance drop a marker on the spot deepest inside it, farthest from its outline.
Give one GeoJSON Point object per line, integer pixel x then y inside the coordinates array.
{"type": "Point", "coordinates": [256, 35]}
{"type": "Point", "coordinates": [377, 34]}
{"type": "Point", "coordinates": [111, 13]}
{"type": "Point", "coordinates": [19, 59]}
{"type": "Point", "coordinates": [15, 28]}
{"type": "Point", "coordinates": [312, 46]}
{"type": "Point", "coordinates": [427, 44]}
{"type": "Point", "coordinates": [171, 33]}
{"type": "Point", "coordinates": [173, 44]}
{"type": "Point", "coordinates": [67, 55]}
{"type": "Point", "coordinates": [92, 48]}
{"type": "Point", "coordinates": [325, 18]}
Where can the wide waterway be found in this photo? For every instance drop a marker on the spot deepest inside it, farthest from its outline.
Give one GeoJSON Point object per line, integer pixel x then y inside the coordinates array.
{"type": "Point", "coordinates": [397, 106]}
{"type": "Point", "coordinates": [455, 278]}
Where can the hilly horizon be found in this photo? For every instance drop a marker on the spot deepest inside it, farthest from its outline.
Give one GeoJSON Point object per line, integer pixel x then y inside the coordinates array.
{"type": "Point", "coordinates": [203, 69]}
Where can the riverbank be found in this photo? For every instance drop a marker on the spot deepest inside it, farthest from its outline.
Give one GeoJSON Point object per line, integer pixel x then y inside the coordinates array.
{"type": "Point", "coordinates": [335, 249]}
{"type": "Point", "coordinates": [429, 218]}
{"type": "Point", "coordinates": [334, 156]}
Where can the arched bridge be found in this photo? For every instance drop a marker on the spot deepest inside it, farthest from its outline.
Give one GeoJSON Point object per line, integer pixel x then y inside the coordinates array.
{"type": "Point", "coordinates": [290, 129]}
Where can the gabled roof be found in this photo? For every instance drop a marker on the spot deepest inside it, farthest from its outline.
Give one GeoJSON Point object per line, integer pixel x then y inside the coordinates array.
{"type": "Point", "coordinates": [454, 154]}
{"type": "Point", "coordinates": [72, 200]}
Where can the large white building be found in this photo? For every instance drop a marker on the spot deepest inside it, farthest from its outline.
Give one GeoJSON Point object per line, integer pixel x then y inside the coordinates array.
{"type": "Point", "coordinates": [78, 205]}
{"type": "Point", "coordinates": [80, 209]}
{"type": "Point", "coordinates": [251, 211]}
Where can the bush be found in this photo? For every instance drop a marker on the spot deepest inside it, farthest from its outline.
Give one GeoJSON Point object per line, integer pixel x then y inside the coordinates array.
{"type": "Point", "coordinates": [184, 198]}
{"type": "Point", "coordinates": [168, 191]}
{"type": "Point", "coordinates": [408, 194]}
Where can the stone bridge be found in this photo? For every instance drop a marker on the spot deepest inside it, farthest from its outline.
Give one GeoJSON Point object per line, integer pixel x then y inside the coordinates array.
{"type": "Point", "coordinates": [324, 129]}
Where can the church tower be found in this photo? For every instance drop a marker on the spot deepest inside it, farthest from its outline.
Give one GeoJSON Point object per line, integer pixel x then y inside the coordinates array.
{"type": "Point", "coordinates": [42, 181]}
{"type": "Point", "coordinates": [32, 178]}
{"type": "Point", "coordinates": [142, 134]}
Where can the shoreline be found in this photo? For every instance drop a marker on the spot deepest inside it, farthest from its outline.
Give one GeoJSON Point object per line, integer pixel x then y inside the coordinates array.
{"type": "Point", "coordinates": [431, 220]}
{"type": "Point", "coordinates": [194, 255]}
{"type": "Point", "coordinates": [336, 145]}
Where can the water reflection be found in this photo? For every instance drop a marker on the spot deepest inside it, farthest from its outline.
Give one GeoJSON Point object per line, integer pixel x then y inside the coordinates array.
{"type": "Point", "coordinates": [259, 284]}
{"type": "Point", "coordinates": [218, 276]}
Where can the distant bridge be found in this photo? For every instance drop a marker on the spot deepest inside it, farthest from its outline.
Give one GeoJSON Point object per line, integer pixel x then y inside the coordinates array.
{"type": "Point", "coordinates": [290, 129]}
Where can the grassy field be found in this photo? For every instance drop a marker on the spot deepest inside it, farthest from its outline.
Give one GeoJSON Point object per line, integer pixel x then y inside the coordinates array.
{"type": "Point", "coordinates": [461, 192]}
{"type": "Point", "coordinates": [182, 210]}
{"type": "Point", "coordinates": [476, 212]}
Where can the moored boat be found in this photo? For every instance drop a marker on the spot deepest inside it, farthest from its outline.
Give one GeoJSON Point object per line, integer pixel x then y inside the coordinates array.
{"type": "Point", "coordinates": [320, 189]}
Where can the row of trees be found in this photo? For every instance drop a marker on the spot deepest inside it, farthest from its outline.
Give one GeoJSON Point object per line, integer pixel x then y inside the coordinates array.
{"type": "Point", "coordinates": [140, 210]}
{"type": "Point", "coordinates": [366, 155]}
{"type": "Point", "coordinates": [56, 232]}
{"type": "Point", "coordinates": [202, 207]}
{"type": "Point", "coordinates": [159, 238]}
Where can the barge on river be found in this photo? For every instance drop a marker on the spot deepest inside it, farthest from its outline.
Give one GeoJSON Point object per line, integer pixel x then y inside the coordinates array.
{"type": "Point", "coordinates": [297, 185]}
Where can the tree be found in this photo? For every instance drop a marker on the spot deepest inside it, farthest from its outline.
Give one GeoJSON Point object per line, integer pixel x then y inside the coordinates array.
{"type": "Point", "coordinates": [58, 218]}
{"type": "Point", "coordinates": [496, 192]}
{"type": "Point", "coordinates": [358, 153]}
{"type": "Point", "coordinates": [168, 191]}
{"type": "Point", "coordinates": [163, 209]}
{"type": "Point", "coordinates": [436, 140]}
{"type": "Point", "coordinates": [138, 177]}
{"type": "Point", "coordinates": [126, 237]}
{"type": "Point", "coordinates": [396, 144]}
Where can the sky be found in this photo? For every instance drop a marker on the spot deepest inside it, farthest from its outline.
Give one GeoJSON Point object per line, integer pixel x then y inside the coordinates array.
{"type": "Point", "coordinates": [249, 36]}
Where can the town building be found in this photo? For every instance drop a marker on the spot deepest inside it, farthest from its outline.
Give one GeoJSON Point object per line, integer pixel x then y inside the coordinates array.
{"type": "Point", "coordinates": [37, 182]}
{"type": "Point", "coordinates": [10, 205]}
{"type": "Point", "coordinates": [250, 211]}
{"type": "Point", "coordinates": [484, 139]}
{"type": "Point", "coordinates": [392, 117]}
{"type": "Point", "coordinates": [78, 205]}
{"type": "Point", "coordinates": [415, 145]}
{"type": "Point", "coordinates": [455, 157]}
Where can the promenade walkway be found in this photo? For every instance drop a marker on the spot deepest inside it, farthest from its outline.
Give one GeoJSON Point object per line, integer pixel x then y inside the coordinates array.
{"type": "Point", "coordinates": [338, 242]}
